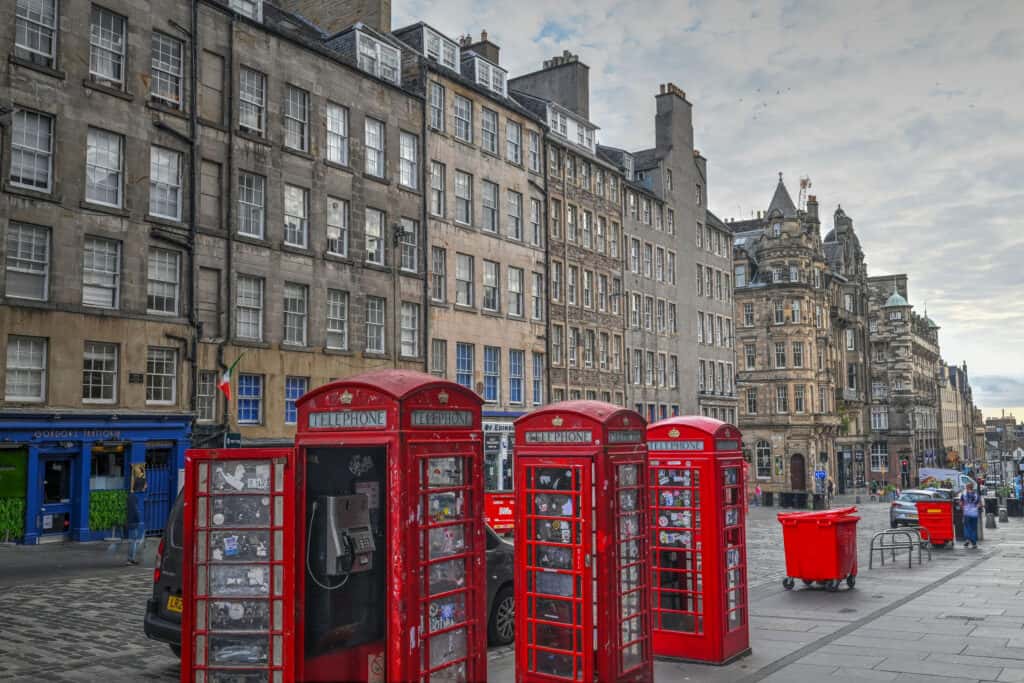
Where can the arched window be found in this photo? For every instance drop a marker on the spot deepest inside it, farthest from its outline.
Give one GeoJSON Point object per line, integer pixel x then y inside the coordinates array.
{"type": "Point", "coordinates": [764, 459]}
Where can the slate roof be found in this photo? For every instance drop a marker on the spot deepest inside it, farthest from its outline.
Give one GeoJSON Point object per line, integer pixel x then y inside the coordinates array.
{"type": "Point", "coordinates": [782, 202]}
{"type": "Point", "coordinates": [645, 159]}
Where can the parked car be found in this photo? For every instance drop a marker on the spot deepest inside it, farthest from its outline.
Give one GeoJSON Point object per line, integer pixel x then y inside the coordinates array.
{"type": "Point", "coordinates": [163, 609]}
{"type": "Point", "coordinates": [903, 511]}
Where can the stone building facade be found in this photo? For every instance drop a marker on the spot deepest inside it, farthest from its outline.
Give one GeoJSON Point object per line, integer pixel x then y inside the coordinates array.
{"type": "Point", "coordinates": [956, 417]}
{"type": "Point", "coordinates": [905, 371]}
{"type": "Point", "coordinates": [585, 260]}
{"type": "Point", "coordinates": [666, 192]}
{"type": "Point", "coordinates": [788, 360]}
{"type": "Point", "coordinates": [486, 235]}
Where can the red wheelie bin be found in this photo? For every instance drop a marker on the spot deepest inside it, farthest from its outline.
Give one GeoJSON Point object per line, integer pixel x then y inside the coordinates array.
{"type": "Point", "coordinates": [936, 516]}
{"type": "Point", "coordinates": [820, 547]}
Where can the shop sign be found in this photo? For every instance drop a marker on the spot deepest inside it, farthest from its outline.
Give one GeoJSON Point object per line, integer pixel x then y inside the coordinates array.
{"type": "Point", "coordinates": [728, 445]}
{"type": "Point", "coordinates": [697, 445]}
{"type": "Point", "coordinates": [348, 419]}
{"type": "Point", "coordinates": [77, 434]}
{"type": "Point", "coordinates": [442, 418]}
{"type": "Point", "coordinates": [568, 436]}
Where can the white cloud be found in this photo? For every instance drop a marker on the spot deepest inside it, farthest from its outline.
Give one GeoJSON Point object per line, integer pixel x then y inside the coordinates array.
{"type": "Point", "coordinates": [908, 113]}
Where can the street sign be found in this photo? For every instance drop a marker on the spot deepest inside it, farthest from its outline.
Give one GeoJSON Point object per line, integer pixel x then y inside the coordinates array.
{"type": "Point", "coordinates": [819, 474]}
{"type": "Point", "coordinates": [232, 440]}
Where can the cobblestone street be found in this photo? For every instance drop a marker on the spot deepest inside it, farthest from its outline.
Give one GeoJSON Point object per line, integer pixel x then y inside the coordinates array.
{"type": "Point", "coordinates": [89, 627]}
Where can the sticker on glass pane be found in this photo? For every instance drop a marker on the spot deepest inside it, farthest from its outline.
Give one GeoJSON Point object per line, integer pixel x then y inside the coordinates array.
{"type": "Point", "coordinates": [239, 650]}
{"type": "Point", "coordinates": [629, 525]}
{"type": "Point", "coordinates": [239, 615]}
{"type": "Point", "coordinates": [456, 673]}
{"type": "Point", "coordinates": [215, 676]}
{"type": "Point", "coordinates": [732, 516]}
{"type": "Point", "coordinates": [677, 477]}
{"type": "Point", "coordinates": [447, 647]}
{"type": "Point", "coordinates": [447, 612]}
{"type": "Point", "coordinates": [237, 476]}
{"type": "Point", "coordinates": [445, 506]}
{"type": "Point", "coordinates": [239, 546]}
{"type": "Point", "coordinates": [629, 551]}
{"type": "Point", "coordinates": [551, 557]}
{"type": "Point", "coordinates": [443, 472]}
{"type": "Point", "coordinates": [449, 540]}
{"type": "Point", "coordinates": [675, 498]}
{"type": "Point", "coordinates": [554, 531]}
{"type": "Point", "coordinates": [553, 505]}
{"type": "Point", "coordinates": [239, 579]}
{"type": "Point", "coordinates": [554, 479]}
{"type": "Point", "coordinates": [551, 583]}
{"type": "Point", "coordinates": [682, 539]}
{"type": "Point", "coordinates": [731, 476]}
{"type": "Point", "coordinates": [669, 518]}
{"type": "Point", "coordinates": [240, 511]}
{"type": "Point", "coordinates": [554, 610]}
{"type": "Point", "coordinates": [627, 475]}
{"type": "Point", "coordinates": [447, 576]}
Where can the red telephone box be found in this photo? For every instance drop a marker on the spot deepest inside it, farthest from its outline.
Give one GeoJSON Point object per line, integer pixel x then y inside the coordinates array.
{"type": "Point", "coordinates": [581, 563]}
{"type": "Point", "coordinates": [392, 577]}
{"type": "Point", "coordinates": [698, 540]}
{"type": "Point", "coordinates": [238, 532]}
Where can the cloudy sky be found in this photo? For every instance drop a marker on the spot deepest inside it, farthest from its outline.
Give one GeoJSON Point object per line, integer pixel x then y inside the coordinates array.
{"type": "Point", "coordinates": [909, 114]}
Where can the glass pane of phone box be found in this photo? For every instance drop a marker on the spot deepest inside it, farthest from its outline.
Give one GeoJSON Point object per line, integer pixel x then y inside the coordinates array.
{"type": "Point", "coordinates": [346, 563]}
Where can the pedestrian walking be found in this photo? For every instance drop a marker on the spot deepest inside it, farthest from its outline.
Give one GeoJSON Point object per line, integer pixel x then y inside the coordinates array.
{"type": "Point", "coordinates": [757, 495]}
{"type": "Point", "coordinates": [969, 502]}
{"type": "Point", "coordinates": [136, 517]}
{"type": "Point", "coordinates": [830, 490]}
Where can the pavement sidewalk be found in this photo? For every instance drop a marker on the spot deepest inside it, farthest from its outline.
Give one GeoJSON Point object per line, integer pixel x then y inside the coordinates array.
{"type": "Point", "coordinates": [29, 563]}
{"type": "Point", "coordinates": [955, 619]}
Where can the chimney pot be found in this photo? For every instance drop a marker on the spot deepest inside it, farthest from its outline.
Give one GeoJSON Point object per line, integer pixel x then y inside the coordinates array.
{"type": "Point", "coordinates": [661, 89]}
{"type": "Point", "coordinates": [483, 35]}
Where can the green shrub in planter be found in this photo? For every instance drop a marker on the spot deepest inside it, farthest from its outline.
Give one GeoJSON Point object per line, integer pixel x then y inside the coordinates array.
{"type": "Point", "coordinates": [107, 509]}
{"type": "Point", "coordinates": [12, 518]}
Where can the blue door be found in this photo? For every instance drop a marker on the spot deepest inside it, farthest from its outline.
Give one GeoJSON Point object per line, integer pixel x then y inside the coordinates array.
{"type": "Point", "coordinates": [55, 485]}
{"type": "Point", "coordinates": [158, 488]}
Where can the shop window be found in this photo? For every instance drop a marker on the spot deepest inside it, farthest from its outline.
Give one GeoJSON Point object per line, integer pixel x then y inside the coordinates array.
{"type": "Point", "coordinates": [107, 469]}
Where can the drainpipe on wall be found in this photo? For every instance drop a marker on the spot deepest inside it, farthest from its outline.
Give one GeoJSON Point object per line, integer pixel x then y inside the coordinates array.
{"type": "Point", "coordinates": [424, 261]}
{"type": "Point", "coordinates": [229, 243]}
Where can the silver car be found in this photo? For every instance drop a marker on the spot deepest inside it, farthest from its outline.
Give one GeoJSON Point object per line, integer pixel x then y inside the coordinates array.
{"type": "Point", "coordinates": [903, 511]}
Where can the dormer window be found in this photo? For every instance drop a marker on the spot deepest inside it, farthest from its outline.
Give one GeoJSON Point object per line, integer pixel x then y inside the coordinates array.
{"type": "Point", "coordinates": [250, 8]}
{"type": "Point", "coordinates": [557, 121]}
{"type": "Point", "coordinates": [627, 166]}
{"type": "Point", "coordinates": [378, 58]}
{"type": "Point", "coordinates": [490, 76]}
{"type": "Point", "coordinates": [440, 49]}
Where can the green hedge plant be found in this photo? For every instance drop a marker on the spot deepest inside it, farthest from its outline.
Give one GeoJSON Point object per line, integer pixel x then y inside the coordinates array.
{"type": "Point", "coordinates": [107, 509]}
{"type": "Point", "coordinates": [12, 518]}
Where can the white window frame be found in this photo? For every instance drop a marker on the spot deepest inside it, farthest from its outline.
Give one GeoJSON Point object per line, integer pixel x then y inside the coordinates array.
{"type": "Point", "coordinates": [166, 69]}
{"type": "Point", "coordinates": [295, 314]}
{"type": "Point", "coordinates": [515, 214]}
{"type": "Point", "coordinates": [489, 130]}
{"type": "Point", "coordinates": [252, 201]}
{"type": "Point", "coordinates": [516, 294]}
{"type": "Point", "coordinates": [252, 100]}
{"type": "Point", "coordinates": [33, 28]}
{"type": "Point", "coordinates": [206, 396]}
{"type": "Point", "coordinates": [463, 197]}
{"type": "Point", "coordinates": [102, 278]}
{"type": "Point", "coordinates": [374, 223]}
{"type": "Point", "coordinates": [491, 287]}
{"type": "Point", "coordinates": [375, 143]}
{"type": "Point", "coordinates": [376, 315]}
{"type": "Point", "coordinates": [99, 354]}
{"type": "Point", "coordinates": [408, 172]}
{"type": "Point", "coordinates": [438, 274]}
{"type": "Point", "coordinates": [438, 189]}
{"type": "Point", "coordinates": [16, 364]}
{"type": "Point", "coordinates": [107, 45]}
{"type": "Point", "coordinates": [99, 162]}
{"type": "Point", "coordinates": [27, 258]}
{"type": "Point", "coordinates": [378, 58]}
{"type": "Point", "coordinates": [410, 329]}
{"type": "Point", "coordinates": [436, 103]}
{"type": "Point", "coordinates": [169, 362]}
{"type": "Point", "coordinates": [409, 245]}
{"type": "Point", "coordinates": [296, 224]}
{"type": "Point", "coordinates": [337, 320]}
{"type": "Point", "coordinates": [464, 283]}
{"type": "Point", "coordinates": [28, 150]}
{"type": "Point", "coordinates": [249, 297]}
{"type": "Point", "coordinates": [163, 280]}
{"type": "Point", "coordinates": [513, 142]}
{"type": "Point", "coordinates": [463, 113]}
{"type": "Point", "coordinates": [295, 115]}
{"type": "Point", "coordinates": [337, 226]}
{"type": "Point", "coordinates": [337, 118]}
{"type": "Point", "coordinates": [165, 183]}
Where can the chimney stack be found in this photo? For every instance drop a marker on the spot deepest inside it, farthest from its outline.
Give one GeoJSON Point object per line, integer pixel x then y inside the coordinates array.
{"type": "Point", "coordinates": [812, 206]}
{"type": "Point", "coordinates": [484, 47]}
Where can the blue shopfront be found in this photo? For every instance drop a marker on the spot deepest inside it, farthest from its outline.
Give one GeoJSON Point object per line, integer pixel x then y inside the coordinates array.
{"type": "Point", "coordinates": [66, 477]}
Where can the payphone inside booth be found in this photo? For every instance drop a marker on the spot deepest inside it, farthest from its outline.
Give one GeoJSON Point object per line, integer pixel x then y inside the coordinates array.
{"type": "Point", "coordinates": [698, 540]}
{"type": "Point", "coordinates": [392, 583]}
{"type": "Point", "coordinates": [581, 564]}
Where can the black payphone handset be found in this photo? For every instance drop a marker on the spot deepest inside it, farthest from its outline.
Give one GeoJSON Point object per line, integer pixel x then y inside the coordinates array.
{"type": "Point", "coordinates": [347, 537]}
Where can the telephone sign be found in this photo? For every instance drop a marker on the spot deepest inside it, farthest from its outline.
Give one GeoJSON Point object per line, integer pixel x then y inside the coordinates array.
{"type": "Point", "coordinates": [819, 474]}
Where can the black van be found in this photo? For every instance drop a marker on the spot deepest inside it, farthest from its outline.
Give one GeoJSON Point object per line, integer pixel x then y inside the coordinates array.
{"type": "Point", "coordinates": [163, 610]}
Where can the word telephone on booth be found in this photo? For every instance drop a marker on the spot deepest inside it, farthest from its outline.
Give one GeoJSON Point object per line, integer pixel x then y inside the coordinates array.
{"type": "Point", "coordinates": [349, 537]}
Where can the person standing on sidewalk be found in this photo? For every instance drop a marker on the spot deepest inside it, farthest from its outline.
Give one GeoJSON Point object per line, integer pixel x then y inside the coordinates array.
{"type": "Point", "coordinates": [136, 516]}
{"type": "Point", "coordinates": [969, 502]}
{"type": "Point", "coordinates": [757, 495]}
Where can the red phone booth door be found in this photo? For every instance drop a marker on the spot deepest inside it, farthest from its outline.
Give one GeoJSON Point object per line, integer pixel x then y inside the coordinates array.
{"type": "Point", "coordinates": [734, 549]}
{"type": "Point", "coordinates": [632, 568]}
{"type": "Point", "coordinates": [676, 544]}
{"type": "Point", "coordinates": [557, 617]}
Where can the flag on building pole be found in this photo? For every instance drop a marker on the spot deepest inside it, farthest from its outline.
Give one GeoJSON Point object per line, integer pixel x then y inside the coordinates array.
{"type": "Point", "coordinates": [225, 379]}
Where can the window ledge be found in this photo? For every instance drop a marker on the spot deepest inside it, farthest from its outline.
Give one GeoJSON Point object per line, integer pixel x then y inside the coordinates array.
{"type": "Point", "coordinates": [165, 222]}
{"type": "Point", "coordinates": [519, 318]}
{"type": "Point", "coordinates": [28, 64]}
{"type": "Point", "coordinates": [164, 108]}
{"type": "Point", "coordinates": [465, 308]}
{"type": "Point", "coordinates": [338, 258]}
{"type": "Point", "coordinates": [298, 152]}
{"type": "Point", "coordinates": [410, 190]}
{"type": "Point", "coordinates": [440, 304]}
{"type": "Point", "coordinates": [32, 194]}
{"type": "Point", "coordinates": [100, 208]}
{"type": "Point", "coordinates": [253, 137]}
{"type": "Point", "coordinates": [292, 249]}
{"type": "Point", "coordinates": [377, 355]}
{"type": "Point", "coordinates": [108, 90]}
{"type": "Point", "coordinates": [335, 165]}
{"type": "Point", "coordinates": [250, 343]}
{"type": "Point", "coordinates": [383, 180]}
{"type": "Point", "coordinates": [491, 314]}
{"type": "Point", "coordinates": [295, 348]}
{"type": "Point", "coordinates": [337, 352]}
{"type": "Point", "coordinates": [248, 239]}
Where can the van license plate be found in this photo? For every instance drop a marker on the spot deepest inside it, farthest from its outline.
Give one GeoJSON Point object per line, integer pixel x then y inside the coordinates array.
{"type": "Point", "coordinates": [174, 603]}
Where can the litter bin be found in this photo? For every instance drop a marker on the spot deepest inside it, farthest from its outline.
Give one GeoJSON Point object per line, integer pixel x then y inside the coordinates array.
{"type": "Point", "coordinates": [818, 501]}
{"type": "Point", "coordinates": [768, 498]}
{"type": "Point", "coordinates": [786, 499]}
{"type": "Point", "coordinates": [800, 500]}
{"type": "Point", "coordinates": [991, 505]}
{"type": "Point", "coordinates": [820, 546]}
{"type": "Point", "coordinates": [937, 517]}
{"type": "Point", "coordinates": [1013, 508]}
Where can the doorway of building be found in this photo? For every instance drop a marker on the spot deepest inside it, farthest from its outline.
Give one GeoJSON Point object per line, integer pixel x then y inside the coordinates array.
{"type": "Point", "coordinates": [797, 473]}
{"type": "Point", "coordinates": [159, 457]}
{"type": "Point", "coordinates": [55, 495]}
